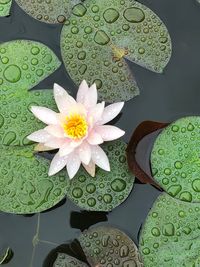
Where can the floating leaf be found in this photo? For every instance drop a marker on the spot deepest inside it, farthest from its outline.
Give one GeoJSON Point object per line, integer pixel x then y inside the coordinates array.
{"type": "Point", "coordinates": [6, 256]}
{"type": "Point", "coordinates": [108, 189]}
{"type": "Point", "coordinates": [170, 235]}
{"type": "Point", "coordinates": [105, 244]}
{"type": "Point", "coordinates": [5, 6]}
{"type": "Point", "coordinates": [54, 11]}
{"type": "Point", "coordinates": [64, 260]}
{"type": "Point", "coordinates": [16, 119]}
{"type": "Point", "coordinates": [101, 34]}
{"type": "Point", "coordinates": [175, 159]}
{"type": "Point", "coordinates": [24, 63]}
{"type": "Point", "coordinates": [24, 183]}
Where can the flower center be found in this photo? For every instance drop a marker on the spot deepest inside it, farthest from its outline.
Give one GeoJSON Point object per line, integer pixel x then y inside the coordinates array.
{"type": "Point", "coordinates": [75, 126]}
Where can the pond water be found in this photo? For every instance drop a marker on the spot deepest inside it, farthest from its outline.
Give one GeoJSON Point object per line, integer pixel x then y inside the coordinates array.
{"type": "Point", "coordinates": [163, 97]}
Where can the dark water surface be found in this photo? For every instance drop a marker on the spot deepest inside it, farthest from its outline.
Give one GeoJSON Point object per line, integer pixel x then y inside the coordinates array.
{"type": "Point", "coordinates": [163, 98]}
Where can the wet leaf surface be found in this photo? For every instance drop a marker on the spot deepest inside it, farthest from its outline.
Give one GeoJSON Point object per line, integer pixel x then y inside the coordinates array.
{"type": "Point", "coordinates": [64, 260]}
{"type": "Point", "coordinates": [5, 6]}
{"type": "Point", "coordinates": [24, 64]}
{"type": "Point", "coordinates": [24, 183]}
{"type": "Point", "coordinates": [175, 159]}
{"type": "Point", "coordinates": [16, 119]}
{"type": "Point", "coordinates": [170, 235]}
{"type": "Point", "coordinates": [100, 35]}
{"type": "Point", "coordinates": [54, 11]}
{"type": "Point", "coordinates": [106, 190]}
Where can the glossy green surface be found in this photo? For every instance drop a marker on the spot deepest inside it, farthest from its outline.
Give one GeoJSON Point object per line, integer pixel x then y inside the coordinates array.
{"type": "Point", "coordinates": [64, 260]}
{"type": "Point", "coordinates": [101, 34]}
{"type": "Point", "coordinates": [106, 190]}
{"type": "Point", "coordinates": [5, 6]}
{"type": "Point", "coordinates": [170, 235]}
{"type": "Point", "coordinates": [175, 159]}
{"type": "Point", "coordinates": [25, 186]}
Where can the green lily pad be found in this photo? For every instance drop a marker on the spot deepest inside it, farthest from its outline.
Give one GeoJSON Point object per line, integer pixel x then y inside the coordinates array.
{"type": "Point", "coordinates": [100, 35]}
{"type": "Point", "coordinates": [175, 159]}
{"type": "Point", "coordinates": [25, 186]}
{"type": "Point", "coordinates": [24, 63]}
{"type": "Point", "coordinates": [54, 11]}
{"type": "Point", "coordinates": [105, 244]}
{"type": "Point", "coordinates": [6, 256]}
{"type": "Point", "coordinates": [5, 6]}
{"type": "Point", "coordinates": [106, 190]}
{"type": "Point", "coordinates": [170, 235]}
{"type": "Point", "coordinates": [16, 119]}
{"type": "Point", "coordinates": [64, 260]}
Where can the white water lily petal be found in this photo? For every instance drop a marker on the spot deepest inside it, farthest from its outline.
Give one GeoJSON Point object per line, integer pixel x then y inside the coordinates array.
{"type": "Point", "coordinates": [55, 130]}
{"type": "Point", "coordinates": [109, 132]}
{"type": "Point", "coordinates": [94, 138]}
{"type": "Point", "coordinates": [63, 100]}
{"type": "Point", "coordinates": [82, 92]}
{"type": "Point", "coordinates": [84, 152]}
{"type": "Point", "coordinates": [91, 97]}
{"type": "Point", "coordinates": [100, 158]}
{"type": "Point", "coordinates": [90, 168]}
{"type": "Point", "coordinates": [40, 136]}
{"type": "Point", "coordinates": [46, 115]}
{"type": "Point", "coordinates": [73, 164]}
{"type": "Point", "coordinates": [111, 111]}
{"type": "Point", "coordinates": [66, 149]}
{"type": "Point", "coordinates": [57, 164]}
{"type": "Point", "coordinates": [55, 142]}
{"type": "Point", "coordinates": [96, 112]}
{"type": "Point", "coordinates": [41, 147]}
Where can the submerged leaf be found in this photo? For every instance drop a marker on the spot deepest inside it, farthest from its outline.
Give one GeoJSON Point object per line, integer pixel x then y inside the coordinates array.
{"type": "Point", "coordinates": [5, 6]}
{"type": "Point", "coordinates": [175, 159]}
{"type": "Point", "coordinates": [54, 11]}
{"type": "Point", "coordinates": [103, 244]}
{"type": "Point", "coordinates": [24, 183]}
{"type": "Point", "coordinates": [106, 190]}
{"type": "Point", "coordinates": [16, 119]}
{"type": "Point", "coordinates": [64, 260]}
{"type": "Point", "coordinates": [24, 64]}
{"type": "Point", "coordinates": [170, 235]}
{"type": "Point", "coordinates": [6, 256]}
{"type": "Point", "coordinates": [100, 35]}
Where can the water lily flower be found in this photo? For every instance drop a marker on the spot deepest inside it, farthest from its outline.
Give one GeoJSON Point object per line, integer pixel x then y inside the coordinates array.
{"type": "Point", "coordinates": [77, 130]}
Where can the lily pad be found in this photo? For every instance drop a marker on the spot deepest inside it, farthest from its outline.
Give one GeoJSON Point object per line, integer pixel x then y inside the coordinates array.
{"type": "Point", "coordinates": [105, 244]}
{"type": "Point", "coordinates": [108, 189]}
{"type": "Point", "coordinates": [6, 256]}
{"type": "Point", "coordinates": [64, 260]}
{"type": "Point", "coordinates": [100, 35]}
{"type": "Point", "coordinates": [24, 63]}
{"type": "Point", "coordinates": [16, 119]}
{"type": "Point", "coordinates": [175, 159]}
{"type": "Point", "coordinates": [5, 6]}
{"type": "Point", "coordinates": [54, 11]}
{"type": "Point", "coordinates": [170, 235]}
{"type": "Point", "coordinates": [25, 186]}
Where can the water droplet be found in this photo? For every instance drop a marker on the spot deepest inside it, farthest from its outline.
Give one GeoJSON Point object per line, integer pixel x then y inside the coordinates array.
{"type": "Point", "coordinates": [196, 185]}
{"type": "Point", "coordinates": [173, 190]}
{"type": "Point", "coordinates": [101, 38]}
{"type": "Point", "coordinates": [111, 15]}
{"type": "Point", "coordinates": [134, 15]}
{"type": "Point", "coordinates": [79, 10]}
{"type": "Point", "coordinates": [118, 185]}
{"type": "Point", "coordinates": [12, 73]}
{"type": "Point", "coordinates": [168, 229]}
{"type": "Point", "coordinates": [77, 192]}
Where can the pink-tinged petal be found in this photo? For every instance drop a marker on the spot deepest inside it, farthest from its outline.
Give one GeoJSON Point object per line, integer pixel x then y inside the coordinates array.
{"type": "Point", "coordinates": [76, 143]}
{"type": "Point", "coordinates": [55, 142]}
{"type": "Point", "coordinates": [66, 149]}
{"type": "Point", "coordinates": [108, 132]}
{"type": "Point", "coordinates": [90, 168]}
{"type": "Point", "coordinates": [40, 136]}
{"type": "Point", "coordinates": [100, 158]}
{"type": "Point", "coordinates": [82, 92]}
{"type": "Point", "coordinates": [63, 100]}
{"type": "Point", "coordinates": [91, 97]}
{"type": "Point", "coordinates": [111, 111]}
{"type": "Point", "coordinates": [73, 164]}
{"type": "Point", "coordinates": [55, 130]}
{"type": "Point", "coordinates": [41, 147]}
{"type": "Point", "coordinates": [46, 115]}
{"type": "Point", "coordinates": [57, 164]}
{"type": "Point", "coordinates": [95, 113]}
{"type": "Point", "coordinates": [84, 152]}
{"type": "Point", "coordinates": [94, 138]}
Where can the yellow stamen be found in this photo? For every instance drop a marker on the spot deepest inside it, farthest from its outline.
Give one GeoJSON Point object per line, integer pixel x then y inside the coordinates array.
{"type": "Point", "coordinates": [75, 126]}
{"type": "Point", "coordinates": [118, 53]}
